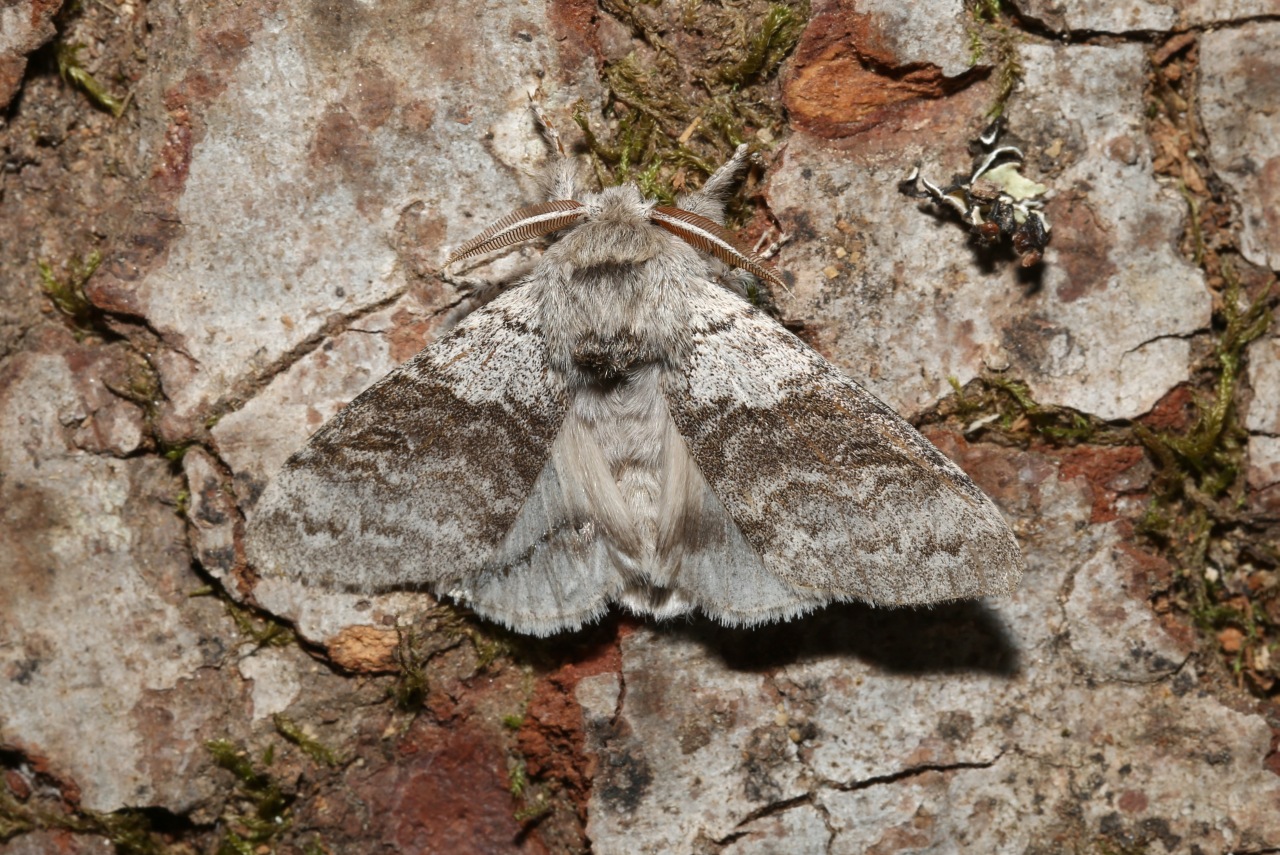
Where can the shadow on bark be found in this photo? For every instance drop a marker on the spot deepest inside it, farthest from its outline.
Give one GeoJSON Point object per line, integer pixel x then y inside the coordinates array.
{"type": "Point", "coordinates": [964, 637]}
{"type": "Point", "coordinates": [957, 637]}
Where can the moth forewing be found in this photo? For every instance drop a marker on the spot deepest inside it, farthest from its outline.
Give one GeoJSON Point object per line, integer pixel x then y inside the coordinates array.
{"type": "Point", "coordinates": [401, 489]}
{"type": "Point", "coordinates": [834, 491]}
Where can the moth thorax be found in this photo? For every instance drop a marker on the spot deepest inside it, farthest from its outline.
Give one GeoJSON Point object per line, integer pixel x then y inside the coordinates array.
{"type": "Point", "coordinates": [610, 243]}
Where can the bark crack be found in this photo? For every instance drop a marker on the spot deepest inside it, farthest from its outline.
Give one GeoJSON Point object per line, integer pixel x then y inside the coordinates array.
{"type": "Point", "coordinates": [912, 772]}
{"type": "Point", "coordinates": [1068, 36]}
{"type": "Point", "coordinates": [1155, 338]}
{"type": "Point", "coordinates": [773, 809]}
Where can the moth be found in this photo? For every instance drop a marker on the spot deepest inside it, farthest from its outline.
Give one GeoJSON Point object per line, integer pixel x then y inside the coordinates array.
{"type": "Point", "coordinates": [620, 427]}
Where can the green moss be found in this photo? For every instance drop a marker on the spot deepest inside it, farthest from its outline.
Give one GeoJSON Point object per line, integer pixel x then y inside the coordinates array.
{"type": "Point", "coordinates": [67, 295]}
{"type": "Point", "coordinates": [409, 691]}
{"type": "Point", "coordinates": [994, 41]}
{"type": "Point", "coordinates": [1208, 458]}
{"type": "Point", "coordinates": [317, 751]}
{"type": "Point", "coordinates": [1004, 406]}
{"type": "Point", "coordinates": [534, 810]}
{"type": "Point", "coordinates": [518, 778]}
{"type": "Point", "coordinates": [415, 649]}
{"type": "Point", "coordinates": [530, 805]}
{"type": "Point", "coordinates": [15, 817]}
{"type": "Point", "coordinates": [130, 831]}
{"type": "Point", "coordinates": [445, 627]}
{"type": "Point", "coordinates": [1200, 471]}
{"type": "Point", "coordinates": [1193, 220]}
{"type": "Point", "coordinates": [764, 51]}
{"type": "Point", "coordinates": [489, 643]}
{"type": "Point", "coordinates": [261, 811]}
{"type": "Point", "coordinates": [227, 756]}
{"type": "Point", "coordinates": [261, 628]}
{"type": "Point", "coordinates": [69, 67]}
{"type": "Point", "coordinates": [666, 122]}
{"type": "Point", "coordinates": [142, 383]}
{"type": "Point", "coordinates": [1107, 846]}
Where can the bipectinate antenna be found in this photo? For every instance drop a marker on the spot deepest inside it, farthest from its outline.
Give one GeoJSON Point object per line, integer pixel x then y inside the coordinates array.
{"type": "Point", "coordinates": [521, 225]}
{"type": "Point", "coordinates": [712, 238]}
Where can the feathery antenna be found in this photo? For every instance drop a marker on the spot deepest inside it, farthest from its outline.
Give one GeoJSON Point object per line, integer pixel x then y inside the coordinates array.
{"type": "Point", "coordinates": [710, 237]}
{"type": "Point", "coordinates": [521, 225]}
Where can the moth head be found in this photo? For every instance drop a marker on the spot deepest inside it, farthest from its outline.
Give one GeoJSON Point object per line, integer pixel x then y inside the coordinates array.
{"type": "Point", "coordinates": [616, 226]}
{"type": "Point", "coordinates": [623, 205]}
{"type": "Point", "coordinates": [617, 229]}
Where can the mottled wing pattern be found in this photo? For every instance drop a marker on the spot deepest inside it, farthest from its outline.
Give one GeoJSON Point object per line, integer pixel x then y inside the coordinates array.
{"type": "Point", "coordinates": [555, 569]}
{"type": "Point", "coordinates": [708, 562]}
{"type": "Point", "coordinates": [420, 479]}
{"type": "Point", "coordinates": [834, 490]}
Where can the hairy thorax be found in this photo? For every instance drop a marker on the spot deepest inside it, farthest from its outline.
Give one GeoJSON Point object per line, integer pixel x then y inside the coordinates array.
{"type": "Point", "coordinates": [619, 332]}
{"type": "Point", "coordinates": [612, 320]}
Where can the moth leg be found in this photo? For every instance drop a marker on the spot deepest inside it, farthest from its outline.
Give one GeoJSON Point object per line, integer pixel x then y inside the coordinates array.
{"type": "Point", "coordinates": [767, 246]}
{"type": "Point", "coordinates": [466, 286]}
{"type": "Point", "coordinates": [562, 171]}
{"type": "Point", "coordinates": [709, 202]}
{"type": "Point", "coordinates": [473, 292]}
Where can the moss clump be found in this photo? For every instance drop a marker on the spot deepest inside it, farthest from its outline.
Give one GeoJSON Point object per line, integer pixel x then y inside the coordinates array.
{"type": "Point", "coordinates": [415, 649]}
{"type": "Point", "coordinates": [534, 809]}
{"type": "Point", "coordinates": [409, 691]}
{"type": "Point", "coordinates": [70, 69]}
{"type": "Point", "coordinates": [445, 627]}
{"type": "Point", "coordinates": [518, 778]}
{"type": "Point", "coordinates": [314, 749]}
{"type": "Point", "coordinates": [1199, 511]}
{"type": "Point", "coordinates": [767, 48]}
{"type": "Point", "coordinates": [67, 294]}
{"type": "Point", "coordinates": [260, 628]}
{"type": "Point", "coordinates": [531, 805]}
{"type": "Point", "coordinates": [993, 41]}
{"type": "Point", "coordinates": [1207, 460]}
{"type": "Point", "coordinates": [263, 630]}
{"type": "Point", "coordinates": [15, 817]}
{"type": "Point", "coordinates": [130, 831]}
{"type": "Point", "coordinates": [1002, 406]}
{"type": "Point", "coordinates": [260, 809]}
{"type": "Point", "coordinates": [704, 85]}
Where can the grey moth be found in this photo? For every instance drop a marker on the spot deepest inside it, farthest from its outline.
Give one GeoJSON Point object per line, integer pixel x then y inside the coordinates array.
{"type": "Point", "coordinates": [619, 427]}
